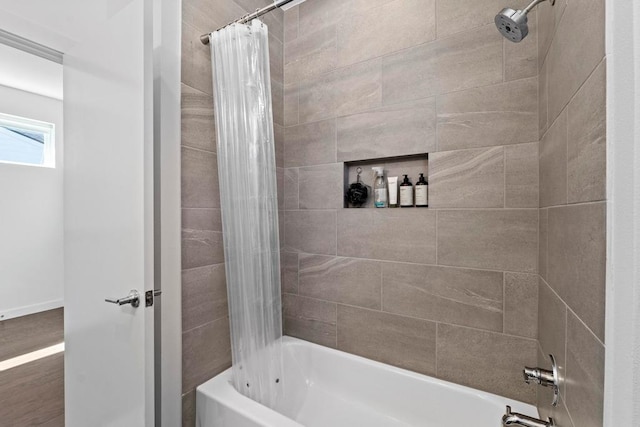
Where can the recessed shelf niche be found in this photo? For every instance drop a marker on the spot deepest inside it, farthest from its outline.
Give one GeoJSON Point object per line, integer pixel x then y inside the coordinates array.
{"type": "Point", "coordinates": [411, 165]}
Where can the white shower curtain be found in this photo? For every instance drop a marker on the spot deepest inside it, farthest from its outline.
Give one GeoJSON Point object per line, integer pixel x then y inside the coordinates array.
{"type": "Point", "coordinates": [247, 174]}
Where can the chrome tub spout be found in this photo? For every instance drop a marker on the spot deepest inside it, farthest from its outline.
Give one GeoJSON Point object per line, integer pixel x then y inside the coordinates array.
{"type": "Point", "coordinates": [515, 419]}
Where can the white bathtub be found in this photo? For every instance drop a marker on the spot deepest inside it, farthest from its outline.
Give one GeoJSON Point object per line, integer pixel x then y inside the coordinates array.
{"type": "Point", "coordinates": [329, 388]}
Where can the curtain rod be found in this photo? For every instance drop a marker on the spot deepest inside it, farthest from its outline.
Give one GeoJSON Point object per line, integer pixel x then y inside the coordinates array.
{"type": "Point", "coordinates": [258, 13]}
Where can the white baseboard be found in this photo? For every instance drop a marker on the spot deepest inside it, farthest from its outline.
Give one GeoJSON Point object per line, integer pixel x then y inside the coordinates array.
{"type": "Point", "coordinates": [12, 313]}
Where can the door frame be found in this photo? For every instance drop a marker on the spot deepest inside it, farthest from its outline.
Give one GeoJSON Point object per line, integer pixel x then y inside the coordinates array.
{"type": "Point", "coordinates": [167, 17]}
{"type": "Point", "coordinates": [622, 364]}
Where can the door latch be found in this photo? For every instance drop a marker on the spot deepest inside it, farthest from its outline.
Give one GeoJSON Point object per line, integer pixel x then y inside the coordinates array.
{"type": "Point", "coordinates": [149, 296]}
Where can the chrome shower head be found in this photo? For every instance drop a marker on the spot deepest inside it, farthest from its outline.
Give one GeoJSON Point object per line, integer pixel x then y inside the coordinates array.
{"type": "Point", "coordinates": [513, 24]}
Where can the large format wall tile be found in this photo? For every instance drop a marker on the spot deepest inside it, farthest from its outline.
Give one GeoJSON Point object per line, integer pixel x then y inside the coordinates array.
{"type": "Point", "coordinates": [54, 422]}
{"type": "Point", "coordinates": [204, 296]}
{"type": "Point", "coordinates": [202, 242]}
{"type": "Point", "coordinates": [470, 59]}
{"type": "Point", "coordinates": [201, 247]}
{"type": "Point", "coordinates": [291, 188]}
{"type": "Point", "coordinates": [577, 48]}
{"type": "Point", "coordinates": [394, 130]}
{"type": "Point", "coordinates": [486, 360]}
{"type": "Point", "coordinates": [316, 15]}
{"type": "Point", "coordinates": [310, 144]}
{"type": "Point", "coordinates": [489, 239]}
{"type": "Point", "coordinates": [280, 188]}
{"type": "Point", "coordinates": [357, 88]}
{"type": "Point", "coordinates": [467, 178]}
{"type": "Point", "coordinates": [189, 409]}
{"type": "Point", "coordinates": [492, 115]}
{"type": "Point", "coordinates": [278, 141]}
{"type": "Point", "coordinates": [345, 280]}
{"type": "Point", "coordinates": [206, 351]}
{"type": "Point", "coordinates": [521, 59]}
{"type": "Point", "coordinates": [548, 19]}
{"type": "Point", "coordinates": [202, 219]}
{"type": "Point", "coordinates": [276, 58]}
{"type": "Point", "coordinates": [206, 346]}
{"type": "Point", "coordinates": [274, 20]}
{"type": "Point", "coordinates": [521, 304]}
{"type": "Point", "coordinates": [344, 91]}
{"type": "Point", "coordinates": [277, 102]}
{"type": "Point", "coordinates": [585, 375]}
{"type": "Point", "coordinates": [310, 319]}
{"type": "Point", "coordinates": [587, 151]}
{"type": "Point", "coordinates": [208, 15]}
{"type": "Point", "coordinates": [553, 164]}
{"type": "Point", "coordinates": [196, 60]}
{"type": "Point", "coordinates": [406, 235]}
{"type": "Point", "coordinates": [542, 242]}
{"type": "Point", "coordinates": [410, 74]}
{"type": "Point", "coordinates": [400, 341]}
{"type": "Point", "coordinates": [321, 187]}
{"type": "Point", "coordinates": [552, 326]}
{"type": "Point", "coordinates": [289, 272]}
{"type": "Point", "coordinates": [291, 18]}
{"type": "Point", "coordinates": [466, 60]}
{"type": "Point", "coordinates": [311, 231]}
{"type": "Point", "coordinates": [521, 176]}
{"type": "Point", "coordinates": [443, 294]}
{"type": "Point", "coordinates": [560, 414]}
{"type": "Point", "coordinates": [199, 179]}
{"type": "Point", "coordinates": [461, 15]}
{"type": "Point", "coordinates": [310, 55]}
{"type": "Point", "coordinates": [367, 35]}
{"type": "Point", "coordinates": [198, 122]}
{"type": "Point", "coordinates": [577, 260]}
{"type": "Point", "coordinates": [543, 97]}
{"type": "Point", "coordinates": [290, 98]}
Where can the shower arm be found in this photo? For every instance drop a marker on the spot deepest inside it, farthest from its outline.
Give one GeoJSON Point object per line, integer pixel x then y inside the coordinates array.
{"type": "Point", "coordinates": [534, 3]}
{"type": "Point", "coordinates": [251, 16]}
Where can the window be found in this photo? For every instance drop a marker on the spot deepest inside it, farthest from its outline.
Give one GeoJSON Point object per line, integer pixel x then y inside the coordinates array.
{"type": "Point", "coordinates": [27, 142]}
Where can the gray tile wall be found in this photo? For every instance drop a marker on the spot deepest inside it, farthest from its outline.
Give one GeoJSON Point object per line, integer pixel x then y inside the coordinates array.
{"type": "Point", "coordinates": [206, 349]}
{"type": "Point", "coordinates": [572, 250]}
{"type": "Point", "coordinates": [426, 283]}
{"type": "Point", "coordinates": [414, 287]}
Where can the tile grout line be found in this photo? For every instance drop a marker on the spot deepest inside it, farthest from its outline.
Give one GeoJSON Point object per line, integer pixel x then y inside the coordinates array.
{"type": "Point", "coordinates": [504, 302]}
{"type": "Point", "coordinates": [445, 266]}
{"type": "Point", "coordinates": [420, 319]}
{"type": "Point", "coordinates": [436, 352]}
{"type": "Point", "coordinates": [573, 96]}
{"type": "Point", "coordinates": [504, 177]}
{"type": "Point", "coordinates": [568, 307]}
{"type": "Point", "coordinates": [566, 169]}
{"type": "Point", "coordinates": [408, 102]}
{"type": "Point", "coordinates": [437, 227]}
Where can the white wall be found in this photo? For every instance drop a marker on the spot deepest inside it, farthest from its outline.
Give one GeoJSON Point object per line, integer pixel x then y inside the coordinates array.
{"type": "Point", "coordinates": [22, 70]}
{"type": "Point", "coordinates": [622, 360]}
{"type": "Point", "coordinates": [31, 217]}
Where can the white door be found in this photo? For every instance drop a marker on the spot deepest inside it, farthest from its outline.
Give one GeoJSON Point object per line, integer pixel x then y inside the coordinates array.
{"type": "Point", "coordinates": [109, 221]}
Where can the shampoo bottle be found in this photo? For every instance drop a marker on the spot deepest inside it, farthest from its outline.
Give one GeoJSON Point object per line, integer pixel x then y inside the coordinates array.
{"type": "Point", "coordinates": [422, 192]}
{"type": "Point", "coordinates": [380, 189]}
{"type": "Point", "coordinates": [393, 191]}
{"type": "Point", "coordinates": [406, 193]}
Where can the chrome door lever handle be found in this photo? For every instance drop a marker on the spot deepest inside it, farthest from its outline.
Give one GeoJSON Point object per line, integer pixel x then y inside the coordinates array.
{"type": "Point", "coordinates": [133, 298]}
